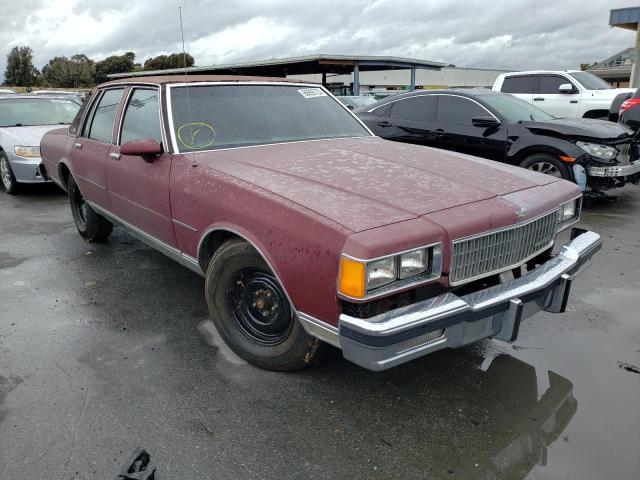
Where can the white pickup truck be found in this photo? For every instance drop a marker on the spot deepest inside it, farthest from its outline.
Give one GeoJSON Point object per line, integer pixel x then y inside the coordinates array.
{"type": "Point", "coordinates": [570, 93]}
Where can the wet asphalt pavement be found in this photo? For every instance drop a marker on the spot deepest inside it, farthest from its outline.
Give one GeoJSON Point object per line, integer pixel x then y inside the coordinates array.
{"type": "Point", "coordinates": [104, 348]}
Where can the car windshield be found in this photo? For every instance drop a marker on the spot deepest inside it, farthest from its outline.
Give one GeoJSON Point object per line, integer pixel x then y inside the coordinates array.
{"type": "Point", "coordinates": [590, 82]}
{"type": "Point", "coordinates": [512, 109]}
{"type": "Point", "coordinates": [361, 101]}
{"type": "Point", "coordinates": [223, 116]}
{"type": "Point", "coordinates": [19, 112]}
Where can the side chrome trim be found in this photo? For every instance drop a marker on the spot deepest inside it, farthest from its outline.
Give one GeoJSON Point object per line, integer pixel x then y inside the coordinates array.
{"type": "Point", "coordinates": [188, 227]}
{"type": "Point", "coordinates": [319, 329]}
{"type": "Point", "coordinates": [435, 95]}
{"type": "Point", "coordinates": [171, 252]}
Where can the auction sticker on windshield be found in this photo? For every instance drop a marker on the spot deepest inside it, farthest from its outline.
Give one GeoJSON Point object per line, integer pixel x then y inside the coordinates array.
{"type": "Point", "coordinates": [312, 92]}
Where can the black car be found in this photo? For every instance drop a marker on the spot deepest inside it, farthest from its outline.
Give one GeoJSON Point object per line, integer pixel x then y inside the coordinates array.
{"type": "Point", "coordinates": [596, 154]}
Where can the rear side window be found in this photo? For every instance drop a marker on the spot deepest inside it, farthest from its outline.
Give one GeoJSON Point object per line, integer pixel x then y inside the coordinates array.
{"type": "Point", "coordinates": [550, 84]}
{"type": "Point", "coordinates": [421, 108]}
{"type": "Point", "coordinates": [458, 110]}
{"type": "Point", "coordinates": [141, 118]}
{"type": "Point", "coordinates": [103, 116]}
{"type": "Point", "coordinates": [524, 84]}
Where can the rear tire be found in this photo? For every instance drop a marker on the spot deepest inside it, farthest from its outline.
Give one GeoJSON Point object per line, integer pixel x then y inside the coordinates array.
{"type": "Point", "coordinates": [252, 312]}
{"type": "Point", "coordinates": [547, 164]}
{"type": "Point", "coordinates": [92, 226]}
{"type": "Point", "coordinates": [7, 178]}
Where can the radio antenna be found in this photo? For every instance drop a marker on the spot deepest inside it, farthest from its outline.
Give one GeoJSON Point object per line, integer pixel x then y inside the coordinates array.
{"type": "Point", "coordinates": [184, 58]}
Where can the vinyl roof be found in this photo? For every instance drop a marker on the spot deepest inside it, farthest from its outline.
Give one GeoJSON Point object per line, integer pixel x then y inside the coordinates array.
{"type": "Point", "coordinates": [280, 67]}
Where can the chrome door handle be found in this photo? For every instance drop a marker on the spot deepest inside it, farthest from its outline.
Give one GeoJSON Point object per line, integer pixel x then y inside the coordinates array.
{"type": "Point", "coordinates": [114, 155]}
{"type": "Point", "coordinates": [77, 145]}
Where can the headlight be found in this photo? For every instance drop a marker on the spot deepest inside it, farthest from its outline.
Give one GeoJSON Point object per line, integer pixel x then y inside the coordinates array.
{"type": "Point", "coordinates": [27, 151]}
{"type": "Point", "coordinates": [599, 151]}
{"type": "Point", "coordinates": [569, 213]}
{"type": "Point", "coordinates": [364, 278]}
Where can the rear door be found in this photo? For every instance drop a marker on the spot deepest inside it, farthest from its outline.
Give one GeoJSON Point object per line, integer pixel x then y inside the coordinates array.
{"type": "Point", "coordinates": [90, 149]}
{"type": "Point", "coordinates": [549, 98]}
{"type": "Point", "coordinates": [413, 120]}
{"type": "Point", "coordinates": [454, 117]}
{"type": "Point", "coordinates": [521, 86]}
{"type": "Point", "coordinates": [139, 187]}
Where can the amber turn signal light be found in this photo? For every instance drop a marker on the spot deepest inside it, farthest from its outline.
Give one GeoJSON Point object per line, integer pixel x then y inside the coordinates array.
{"type": "Point", "coordinates": [352, 278]}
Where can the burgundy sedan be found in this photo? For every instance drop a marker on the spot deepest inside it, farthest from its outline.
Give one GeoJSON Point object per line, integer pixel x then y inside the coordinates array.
{"type": "Point", "coordinates": [309, 229]}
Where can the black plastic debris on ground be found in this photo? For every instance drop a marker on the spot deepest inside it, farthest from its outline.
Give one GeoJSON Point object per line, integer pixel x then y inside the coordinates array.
{"type": "Point", "coordinates": [138, 467]}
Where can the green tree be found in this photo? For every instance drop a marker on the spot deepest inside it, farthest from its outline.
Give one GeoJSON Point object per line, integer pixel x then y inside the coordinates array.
{"type": "Point", "coordinates": [20, 70]}
{"type": "Point", "coordinates": [114, 64]}
{"type": "Point", "coordinates": [175, 60]}
{"type": "Point", "coordinates": [74, 72]}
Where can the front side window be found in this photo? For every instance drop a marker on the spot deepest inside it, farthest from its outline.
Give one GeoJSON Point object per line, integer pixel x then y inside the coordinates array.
{"type": "Point", "coordinates": [23, 112]}
{"type": "Point", "coordinates": [458, 110]}
{"type": "Point", "coordinates": [512, 109]}
{"type": "Point", "coordinates": [141, 119]}
{"type": "Point", "coordinates": [524, 84]}
{"type": "Point", "coordinates": [590, 82]}
{"type": "Point", "coordinates": [103, 115]}
{"type": "Point", "coordinates": [208, 117]}
{"type": "Point", "coordinates": [419, 108]}
{"type": "Point", "coordinates": [550, 84]}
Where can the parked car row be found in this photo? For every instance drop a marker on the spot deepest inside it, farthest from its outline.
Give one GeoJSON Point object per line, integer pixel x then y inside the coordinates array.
{"type": "Point", "coordinates": [309, 229]}
{"type": "Point", "coordinates": [24, 119]}
{"type": "Point", "coordinates": [596, 154]}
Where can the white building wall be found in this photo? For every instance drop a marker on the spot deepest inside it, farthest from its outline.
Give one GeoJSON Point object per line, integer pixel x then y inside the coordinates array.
{"type": "Point", "coordinates": [447, 77]}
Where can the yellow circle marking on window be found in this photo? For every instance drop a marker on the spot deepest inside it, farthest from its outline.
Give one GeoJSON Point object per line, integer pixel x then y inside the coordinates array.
{"type": "Point", "coordinates": [201, 135]}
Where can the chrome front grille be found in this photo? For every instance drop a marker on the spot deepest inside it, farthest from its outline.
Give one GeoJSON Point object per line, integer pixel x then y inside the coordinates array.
{"type": "Point", "coordinates": [485, 254]}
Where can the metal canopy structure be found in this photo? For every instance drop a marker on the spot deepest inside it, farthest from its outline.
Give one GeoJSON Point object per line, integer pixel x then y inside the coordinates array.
{"type": "Point", "coordinates": [629, 18]}
{"type": "Point", "coordinates": [313, 64]}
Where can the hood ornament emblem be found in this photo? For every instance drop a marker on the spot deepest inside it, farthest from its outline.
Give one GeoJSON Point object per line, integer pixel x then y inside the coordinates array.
{"type": "Point", "coordinates": [521, 212]}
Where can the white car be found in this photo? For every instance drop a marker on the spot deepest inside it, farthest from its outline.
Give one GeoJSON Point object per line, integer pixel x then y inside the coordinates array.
{"type": "Point", "coordinates": [566, 94]}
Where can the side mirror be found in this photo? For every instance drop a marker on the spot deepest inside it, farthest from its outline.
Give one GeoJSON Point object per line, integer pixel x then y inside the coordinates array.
{"type": "Point", "coordinates": [485, 121]}
{"type": "Point", "coordinates": [566, 88]}
{"type": "Point", "coordinates": [141, 148]}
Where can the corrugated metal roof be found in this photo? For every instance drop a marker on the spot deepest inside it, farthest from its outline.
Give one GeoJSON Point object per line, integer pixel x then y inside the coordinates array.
{"type": "Point", "coordinates": [625, 17]}
{"type": "Point", "coordinates": [327, 61]}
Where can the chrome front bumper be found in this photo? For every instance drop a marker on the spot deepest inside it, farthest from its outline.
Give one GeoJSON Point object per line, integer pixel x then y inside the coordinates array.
{"type": "Point", "coordinates": [615, 171]}
{"type": "Point", "coordinates": [448, 320]}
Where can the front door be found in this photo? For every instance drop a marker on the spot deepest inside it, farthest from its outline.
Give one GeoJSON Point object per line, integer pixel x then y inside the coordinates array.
{"type": "Point", "coordinates": [549, 98]}
{"type": "Point", "coordinates": [139, 187]}
{"type": "Point", "coordinates": [454, 117]}
{"type": "Point", "coordinates": [91, 147]}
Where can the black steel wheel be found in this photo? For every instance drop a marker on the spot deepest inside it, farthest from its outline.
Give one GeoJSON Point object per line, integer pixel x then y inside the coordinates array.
{"type": "Point", "coordinates": [260, 307]}
{"type": "Point", "coordinates": [252, 312]}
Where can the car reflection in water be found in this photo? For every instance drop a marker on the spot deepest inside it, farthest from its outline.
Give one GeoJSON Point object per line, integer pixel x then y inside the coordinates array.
{"type": "Point", "coordinates": [537, 422]}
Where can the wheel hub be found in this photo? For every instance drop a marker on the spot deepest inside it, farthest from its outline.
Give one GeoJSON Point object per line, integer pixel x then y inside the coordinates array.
{"type": "Point", "coordinates": [260, 308]}
{"type": "Point", "coordinates": [4, 173]}
{"type": "Point", "coordinates": [546, 168]}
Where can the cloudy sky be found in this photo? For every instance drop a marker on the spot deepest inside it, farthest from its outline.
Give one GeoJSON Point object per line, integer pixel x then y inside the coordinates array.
{"type": "Point", "coordinates": [514, 34]}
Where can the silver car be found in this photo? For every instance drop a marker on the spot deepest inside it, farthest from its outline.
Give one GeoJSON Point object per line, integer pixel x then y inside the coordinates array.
{"type": "Point", "coordinates": [24, 120]}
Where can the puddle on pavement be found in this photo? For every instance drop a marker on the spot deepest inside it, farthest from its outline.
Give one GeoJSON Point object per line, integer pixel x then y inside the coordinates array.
{"type": "Point", "coordinates": [208, 330]}
{"type": "Point", "coordinates": [9, 261]}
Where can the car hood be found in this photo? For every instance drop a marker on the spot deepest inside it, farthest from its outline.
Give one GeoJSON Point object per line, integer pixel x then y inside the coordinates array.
{"type": "Point", "coordinates": [27, 135]}
{"type": "Point", "coordinates": [580, 127]}
{"type": "Point", "coordinates": [610, 92]}
{"type": "Point", "coordinates": [364, 183]}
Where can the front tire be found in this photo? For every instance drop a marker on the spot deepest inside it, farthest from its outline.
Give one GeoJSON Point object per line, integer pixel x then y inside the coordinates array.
{"type": "Point", "coordinates": [7, 178]}
{"type": "Point", "coordinates": [92, 226]}
{"type": "Point", "coordinates": [252, 312]}
{"type": "Point", "coordinates": [547, 164]}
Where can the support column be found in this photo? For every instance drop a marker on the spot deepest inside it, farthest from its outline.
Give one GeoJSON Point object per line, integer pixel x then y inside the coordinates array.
{"type": "Point", "coordinates": [413, 77]}
{"type": "Point", "coordinates": [356, 79]}
{"type": "Point", "coordinates": [634, 81]}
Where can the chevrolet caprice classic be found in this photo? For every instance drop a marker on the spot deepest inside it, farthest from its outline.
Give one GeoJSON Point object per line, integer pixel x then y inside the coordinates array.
{"type": "Point", "coordinates": [310, 230]}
